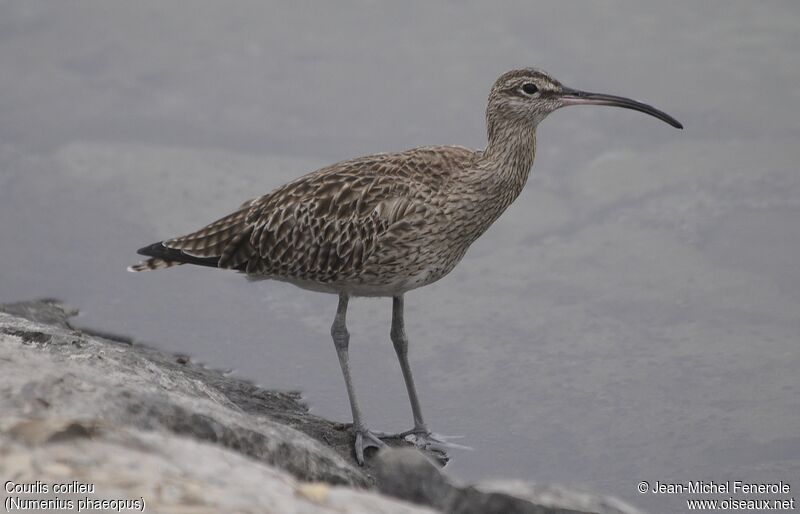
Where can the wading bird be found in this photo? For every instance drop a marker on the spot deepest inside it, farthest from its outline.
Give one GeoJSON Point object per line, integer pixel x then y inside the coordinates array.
{"type": "Point", "coordinates": [385, 224]}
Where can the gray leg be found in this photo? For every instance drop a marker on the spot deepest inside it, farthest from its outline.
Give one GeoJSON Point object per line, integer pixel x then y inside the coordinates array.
{"type": "Point", "coordinates": [400, 341]}
{"type": "Point", "coordinates": [419, 435]}
{"type": "Point", "coordinates": [341, 339]}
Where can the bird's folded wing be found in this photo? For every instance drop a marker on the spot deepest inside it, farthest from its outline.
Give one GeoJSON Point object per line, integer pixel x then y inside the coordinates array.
{"type": "Point", "coordinates": [327, 223]}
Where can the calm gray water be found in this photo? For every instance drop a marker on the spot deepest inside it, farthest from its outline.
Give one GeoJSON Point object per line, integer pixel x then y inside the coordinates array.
{"type": "Point", "coordinates": [635, 315]}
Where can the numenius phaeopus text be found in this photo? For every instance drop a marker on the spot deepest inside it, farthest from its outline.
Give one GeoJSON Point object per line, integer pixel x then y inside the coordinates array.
{"type": "Point", "coordinates": [384, 224]}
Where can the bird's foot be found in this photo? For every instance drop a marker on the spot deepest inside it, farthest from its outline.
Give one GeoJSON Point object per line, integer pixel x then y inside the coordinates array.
{"type": "Point", "coordinates": [424, 439]}
{"type": "Point", "coordinates": [366, 439]}
{"type": "Point", "coordinates": [401, 435]}
{"type": "Point", "coordinates": [435, 442]}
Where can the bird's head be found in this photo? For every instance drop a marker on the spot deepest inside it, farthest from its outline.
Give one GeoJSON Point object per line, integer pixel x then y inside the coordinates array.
{"type": "Point", "coordinates": [528, 95]}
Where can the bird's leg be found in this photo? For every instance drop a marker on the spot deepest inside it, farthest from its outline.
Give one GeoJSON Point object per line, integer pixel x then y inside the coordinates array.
{"type": "Point", "coordinates": [420, 436]}
{"type": "Point", "coordinates": [341, 339]}
{"type": "Point", "coordinates": [400, 342]}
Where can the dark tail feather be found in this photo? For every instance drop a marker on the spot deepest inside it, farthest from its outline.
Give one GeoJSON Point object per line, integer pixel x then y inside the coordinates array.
{"type": "Point", "coordinates": [163, 257]}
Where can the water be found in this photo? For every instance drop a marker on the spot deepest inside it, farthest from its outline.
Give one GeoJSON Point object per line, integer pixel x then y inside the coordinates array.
{"type": "Point", "coordinates": [633, 316]}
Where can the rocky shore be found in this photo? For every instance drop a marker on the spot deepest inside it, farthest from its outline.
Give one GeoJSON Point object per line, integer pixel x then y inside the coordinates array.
{"type": "Point", "coordinates": [154, 431]}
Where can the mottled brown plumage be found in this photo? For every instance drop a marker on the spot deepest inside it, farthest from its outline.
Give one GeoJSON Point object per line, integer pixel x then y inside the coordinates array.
{"type": "Point", "coordinates": [377, 225]}
{"type": "Point", "coordinates": [384, 224]}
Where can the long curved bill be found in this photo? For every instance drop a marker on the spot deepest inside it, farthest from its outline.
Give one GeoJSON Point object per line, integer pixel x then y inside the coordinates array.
{"type": "Point", "coordinates": [575, 97]}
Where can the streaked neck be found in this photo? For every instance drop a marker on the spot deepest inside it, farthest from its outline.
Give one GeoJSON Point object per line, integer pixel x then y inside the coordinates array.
{"type": "Point", "coordinates": [509, 154]}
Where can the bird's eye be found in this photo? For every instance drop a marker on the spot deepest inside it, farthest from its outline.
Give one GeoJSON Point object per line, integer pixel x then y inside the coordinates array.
{"type": "Point", "coordinates": [529, 88]}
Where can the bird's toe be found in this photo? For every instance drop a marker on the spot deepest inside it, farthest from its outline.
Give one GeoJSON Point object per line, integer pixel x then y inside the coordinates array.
{"type": "Point", "coordinates": [366, 439]}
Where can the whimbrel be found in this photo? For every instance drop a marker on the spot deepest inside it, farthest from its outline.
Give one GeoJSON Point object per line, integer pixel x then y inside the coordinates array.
{"type": "Point", "coordinates": [385, 224]}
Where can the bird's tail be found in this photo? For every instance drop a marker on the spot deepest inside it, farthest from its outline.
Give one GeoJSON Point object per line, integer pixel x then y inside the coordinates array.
{"type": "Point", "coordinates": [224, 243]}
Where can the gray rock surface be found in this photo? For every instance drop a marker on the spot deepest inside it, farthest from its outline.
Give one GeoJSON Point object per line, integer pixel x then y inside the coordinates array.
{"type": "Point", "coordinates": [52, 371]}
{"type": "Point", "coordinates": [408, 474]}
{"type": "Point", "coordinates": [167, 472]}
{"type": "Point", "coordinates": [141, 424]}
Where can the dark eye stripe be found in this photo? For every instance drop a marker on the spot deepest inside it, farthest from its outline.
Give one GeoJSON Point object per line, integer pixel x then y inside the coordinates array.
{"type": "Point", "coordinates": [529, 88]}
